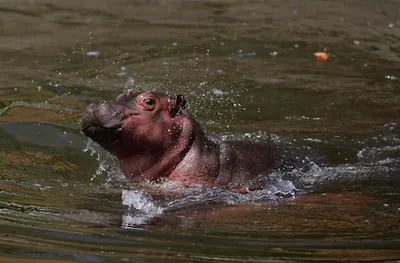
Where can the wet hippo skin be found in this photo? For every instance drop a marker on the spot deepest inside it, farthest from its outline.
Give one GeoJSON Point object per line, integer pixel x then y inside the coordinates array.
{"type": "Point", "coordinates": [155, 137]}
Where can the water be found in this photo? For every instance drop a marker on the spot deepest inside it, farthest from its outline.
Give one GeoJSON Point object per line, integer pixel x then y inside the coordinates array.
{"type": "Point", "coordinates": [249, 72]}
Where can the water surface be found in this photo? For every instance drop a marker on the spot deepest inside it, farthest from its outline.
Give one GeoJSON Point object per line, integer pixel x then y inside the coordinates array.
{"type": "Point", "coordinates": [249, 72]}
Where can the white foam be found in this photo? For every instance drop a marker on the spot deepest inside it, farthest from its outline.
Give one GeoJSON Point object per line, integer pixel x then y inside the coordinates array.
{"type": "Point", "coordinates": [141, 208]}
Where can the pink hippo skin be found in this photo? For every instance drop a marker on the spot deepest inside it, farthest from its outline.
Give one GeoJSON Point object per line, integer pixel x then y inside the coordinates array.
{"type": "Point", "coordinates": [154, 137]}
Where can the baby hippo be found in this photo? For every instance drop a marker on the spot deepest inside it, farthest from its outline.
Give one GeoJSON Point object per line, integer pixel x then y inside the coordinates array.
{"type": "Point", "coordinates": [154, 137]}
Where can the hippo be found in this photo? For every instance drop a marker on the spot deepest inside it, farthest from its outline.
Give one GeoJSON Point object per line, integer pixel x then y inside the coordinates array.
{"type": "Point", "coordinates": [155, 138]}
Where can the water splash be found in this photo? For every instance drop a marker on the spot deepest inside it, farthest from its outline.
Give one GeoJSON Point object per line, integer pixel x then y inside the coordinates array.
{"type": "Point", "coordinates": [379, 155]}
{"type": "Point", "coordinates": [274, 191]}
{"type": "Point", "coordinates": [108, 164]}
{"type": "Point", "coordinates": [130, 85]}
{"type": "Point", "coordinates": [258, 136]}
{"type": "Point", "coordinates": [141, 208]}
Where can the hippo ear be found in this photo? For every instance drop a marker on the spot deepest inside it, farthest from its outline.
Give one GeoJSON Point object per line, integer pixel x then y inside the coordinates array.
{"type": "Point", "coordinates": [180, 103]}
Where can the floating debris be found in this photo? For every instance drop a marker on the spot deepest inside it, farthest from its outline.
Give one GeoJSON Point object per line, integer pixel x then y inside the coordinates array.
{"type": "Point", "coordinates": [322, 56]}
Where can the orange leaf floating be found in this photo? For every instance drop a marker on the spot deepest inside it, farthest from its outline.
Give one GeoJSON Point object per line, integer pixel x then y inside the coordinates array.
{"type": "Point", "coordinates": [321, 56]}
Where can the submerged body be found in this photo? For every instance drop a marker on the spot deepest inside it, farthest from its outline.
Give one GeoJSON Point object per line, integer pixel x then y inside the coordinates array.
{"type": "Point", "coordinates": [155, 137]}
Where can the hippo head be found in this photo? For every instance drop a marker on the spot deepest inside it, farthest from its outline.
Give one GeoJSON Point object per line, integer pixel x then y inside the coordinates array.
{"type": "Point", "coordinates": [136, 123]}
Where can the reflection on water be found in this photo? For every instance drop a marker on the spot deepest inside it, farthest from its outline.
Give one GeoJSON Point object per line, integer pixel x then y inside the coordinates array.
{"type": "Point", "coordinates": [249, 72]}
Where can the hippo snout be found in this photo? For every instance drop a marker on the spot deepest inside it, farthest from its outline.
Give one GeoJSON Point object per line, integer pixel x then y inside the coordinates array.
{"type": "Point", "coordinates": [102, 114]}
{"type": "Point", "coordinates": [89, 116]}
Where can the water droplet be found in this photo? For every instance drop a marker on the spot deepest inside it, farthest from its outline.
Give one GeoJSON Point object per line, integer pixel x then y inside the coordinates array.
{"type": "Point", "coordinates": [122, 72]}
{"type": "Point", "coordinates": [390, 77]}
{"type": "Point", "coordinates": [93, 53]}
{"type": "Point", "coordinates": [220, 92]}
{"type": "Point", "coordinates": [130, 83]}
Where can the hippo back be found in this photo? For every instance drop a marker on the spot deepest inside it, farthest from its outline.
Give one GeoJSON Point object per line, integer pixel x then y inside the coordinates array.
{"type": "Point", "coordinates": [241, 161]}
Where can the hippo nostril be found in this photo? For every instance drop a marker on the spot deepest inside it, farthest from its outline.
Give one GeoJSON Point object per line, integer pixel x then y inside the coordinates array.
{"type": "Point", "coordinates": [91, 106]}
{"type": "Point", "coordinates": [104, 106]}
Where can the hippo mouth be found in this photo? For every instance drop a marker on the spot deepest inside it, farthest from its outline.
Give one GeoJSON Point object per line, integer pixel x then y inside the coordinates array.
{"type": "Point", "coordinates": [92, 128]}
{"type": "Point", "coordinates": [108, 137]}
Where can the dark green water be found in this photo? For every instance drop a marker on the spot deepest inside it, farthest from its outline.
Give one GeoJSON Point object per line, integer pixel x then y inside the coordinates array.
{"type": "Point", "coordinates": [248, 71]}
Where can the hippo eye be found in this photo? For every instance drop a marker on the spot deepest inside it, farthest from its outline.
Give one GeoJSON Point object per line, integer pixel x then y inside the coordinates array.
{"type": "Point", "coordinates": [149, 102]}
